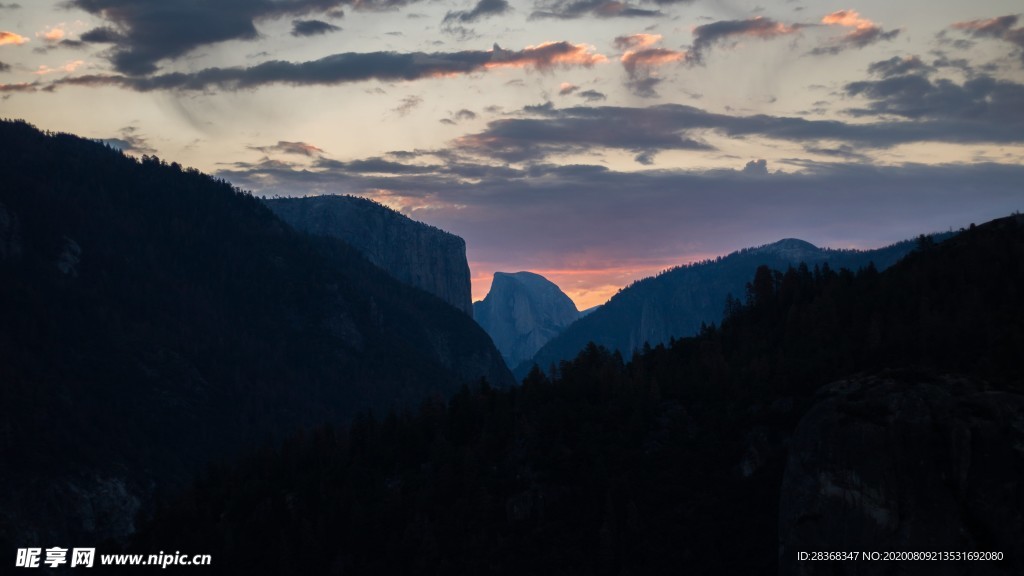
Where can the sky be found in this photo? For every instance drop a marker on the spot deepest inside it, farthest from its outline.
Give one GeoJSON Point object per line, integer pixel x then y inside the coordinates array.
{"type": "Point", "coordinates": [595, 142]}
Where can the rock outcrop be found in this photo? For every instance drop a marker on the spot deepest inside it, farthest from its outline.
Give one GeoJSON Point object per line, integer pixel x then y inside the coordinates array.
{"type": "Point", "coordinates": [898, 463]}
{"type": "Point", "coordinates": [522, 312]}
{"type": "Point", "coordinates": [415, 253]}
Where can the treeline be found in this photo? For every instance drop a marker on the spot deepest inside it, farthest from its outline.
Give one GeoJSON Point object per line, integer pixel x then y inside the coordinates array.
{"type": "Point", "coordinates": [668, 464]}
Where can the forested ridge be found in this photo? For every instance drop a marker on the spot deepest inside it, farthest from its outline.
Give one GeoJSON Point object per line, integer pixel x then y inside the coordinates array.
{"type": "Point", "coordinates": [154, 318]}
{"type": "Point", "coordinates": [671, 463]}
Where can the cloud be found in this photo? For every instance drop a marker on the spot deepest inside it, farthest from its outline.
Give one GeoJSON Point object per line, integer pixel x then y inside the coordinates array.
{"type": "Point", "coordinates": [756, 168]}
{"type": "Point", "coordinates": [991, 27]}
{"type": "Point", "coordinates": [573, 9]}
{"type": "Point", "coordinates": [636, 41]}
{"type": "Point", "coordinates": [11, 38]}
{"type": "Point", "coordinates": [130, 142]}
{"type": "Point", "coordinates": [295, 148]}
{"type": "Point", "coordinates": [982, 101]}
{"type": "Point", "coordinates": [67, 68]}
{"type": "Point", "coordinates": [716, 33]}
{"type": "Point", "coordinates": [1001, 28]}
{"type": "Point", "coordinates": [592, 95]}
{"type": "Point", "coordinates": [355, 67]}
{"type": "Point", "coordinates": [981, 110]}
{"type": "Point", "coordinates": [53, 34]}
{"type": "Point", "coordinates": [864, 33]}
{"type": "Point", "coordinates": [641, 61]}
{"type": "Point", "coordinates": [545, 56]}
{"type": "Point", "coordinates": [150, 31]}
{"type": "Point", "coordinates": [312, 27]}
{"type": "Point", "coordinates": [566, 88]}
{"type": "Point", "coordinates": [897, 66]}
{"type": "Point", "coordinates": [5, 67]}
{"type": "Point", "coordinates": [574, 130]}
{"type": "Point", "coordinates": [19, 87]}
{"type": "Point", "coordinates": [102, 35]}
{"type": "Point", "coordinates": [408, 104]}
{"type": "Point", "coordinates": [483, 9]}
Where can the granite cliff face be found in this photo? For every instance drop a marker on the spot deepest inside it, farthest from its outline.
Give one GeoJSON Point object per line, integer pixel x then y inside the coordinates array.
{"type": "Point", "coordinates": [895, 463]}
{"type": "Point", "coordinates": [419, 255]}
{"type": "Point", "coordinates": [522, 312]}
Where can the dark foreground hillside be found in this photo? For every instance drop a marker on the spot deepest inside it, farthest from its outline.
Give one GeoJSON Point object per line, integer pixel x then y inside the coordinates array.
{"type": "Point", "coordinates": [154, 318]}
{"type": "Point", "coordinates": [832, 412]}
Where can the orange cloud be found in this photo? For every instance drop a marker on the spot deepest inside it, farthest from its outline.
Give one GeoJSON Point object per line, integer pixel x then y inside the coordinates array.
{"type": "Point", "coordinates": [567, 88]}
{"type": "Point", "coordinates": [641, 59]}
{"type": "Point", "coordinates": [66, 68]}
{"type": "Point", "coordinates": [864, 31]}
{"type": "Point", "coordinates": [988, 27]}
{"type": "Point", "coordinates": [545, 56]}
{"type": "Point", "coordinates": [650, 58]}
{"type": "Point", "coordinates": [11, 38]}
{"type": "Point", "coordinates": [55, 34]}
{"type": "Point", "coordinates": [848, 18]}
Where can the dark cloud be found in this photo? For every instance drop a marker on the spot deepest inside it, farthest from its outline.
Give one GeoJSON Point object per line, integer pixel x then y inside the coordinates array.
{"type": "Point", "coordinates": [11, 6]}
{"type": "Point", "coordinates": [1001, 28]}
{"type": "Point", "coordinates": [992, 27]}
{"type": "Point", "coordinates": [353, 67]}
{"type": "Point", "coordinates": [130, 141]}
{"type": "Point", "coordinates": [897, 66]}
{"type": "Point", "coordinates": [572, 9]}
{"type": "Point", "coordinates": [592, 95]}
{"type": "Point", "coordinates": [102, 35]}
{"type": "Point", "coordinates": [843, 152]}
{"type": "Point", "coordinates": [864, 33]}
{"type": "Point", "coordinates": [756, 168]}
{"type": "Point", "coordinates": [645, 87]}
{"type": "Point", "coordinates": [708, 35]}
{"type": "Point", "coordinates": [376, 165]}
{"type": "Point", "coordinates": [312, 27]}
{"type": "Point", "coordinates": [296, 148]}
{"type": "Point", "coordinates": [5, 67]}
{"type": "Point", "coordinates": [148, 31]}
{"type": "Point", "coordinates": [981, 110]}
{"type": "Point", "coordinates": [20, 87]}
{"type": "Point", "coordinates": [981, 101]}
{"type": "Point", "coordinates": [483, 9]}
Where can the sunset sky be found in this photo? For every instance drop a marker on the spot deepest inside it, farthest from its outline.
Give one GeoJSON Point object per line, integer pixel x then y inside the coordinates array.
{"type": "Point", "coordinates": [592, 141]}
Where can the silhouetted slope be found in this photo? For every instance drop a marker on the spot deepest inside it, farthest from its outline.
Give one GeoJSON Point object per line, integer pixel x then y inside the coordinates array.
{"type": "Point", "coordinates": [415, 253]}
{"type": "Point", "coordinates": [522, 311]}
{"type": "Point", "coordinates": [676, 302]}
{"type": "Point", "coordinates": [867, 412]}
{"type": "Point", "coordinates": [154, 318]}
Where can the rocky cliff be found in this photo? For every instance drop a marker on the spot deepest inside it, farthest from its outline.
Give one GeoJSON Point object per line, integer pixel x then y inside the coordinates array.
{"type": "Point", "coordinates": [522, 312]}
{"type": "Point", "coordinates": [419, 255]}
